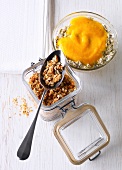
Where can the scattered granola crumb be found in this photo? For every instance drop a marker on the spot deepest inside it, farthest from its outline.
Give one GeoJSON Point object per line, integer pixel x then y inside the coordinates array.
{"type": "Point", "coordinates": [21, 103]}
{"type": "Point", "coordinates": [24, 107]}
{"type": "Point", "coordinates": [15, 101]}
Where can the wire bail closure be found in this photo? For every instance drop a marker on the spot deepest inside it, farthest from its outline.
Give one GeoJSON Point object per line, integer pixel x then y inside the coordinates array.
{"type": "Point", "coordinates": [64, 110]}
{"type": "Point", "coordinates": [98, 154]}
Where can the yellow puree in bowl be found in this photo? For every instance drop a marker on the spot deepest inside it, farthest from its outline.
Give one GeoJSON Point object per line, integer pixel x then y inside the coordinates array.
{"type": "Point", "coordinates": [85, 40]}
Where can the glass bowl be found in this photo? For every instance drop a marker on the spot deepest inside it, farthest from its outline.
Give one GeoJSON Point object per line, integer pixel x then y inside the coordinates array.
{"type": "Point", "coordinates": [112, 42]}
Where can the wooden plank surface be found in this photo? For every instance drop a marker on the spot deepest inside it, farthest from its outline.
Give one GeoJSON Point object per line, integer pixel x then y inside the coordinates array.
{"type": "Point", "coordinates": [101, 88]}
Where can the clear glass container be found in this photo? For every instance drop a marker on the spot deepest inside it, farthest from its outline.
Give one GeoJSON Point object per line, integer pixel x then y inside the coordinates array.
{"type": "Point", "coordinates": [81, 132]}
{"type": "Point", "coordinates": [65, 22]}
{"type": "Point", "coordinates": [55, 110]}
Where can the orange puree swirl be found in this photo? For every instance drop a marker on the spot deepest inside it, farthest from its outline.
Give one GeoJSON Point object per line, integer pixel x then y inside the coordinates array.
{"type": "Point", "coordinates": [85, 41]}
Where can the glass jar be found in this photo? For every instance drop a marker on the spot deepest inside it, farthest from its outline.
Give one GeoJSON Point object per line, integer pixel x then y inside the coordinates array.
{"type": "Point", "coordinates": [55, 110]}
{"type": "Point", "coordinates": [81, 122]}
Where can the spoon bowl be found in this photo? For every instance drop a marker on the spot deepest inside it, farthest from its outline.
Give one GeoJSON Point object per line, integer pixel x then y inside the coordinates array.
{"type": "Point", "coordinates": [62, 60]}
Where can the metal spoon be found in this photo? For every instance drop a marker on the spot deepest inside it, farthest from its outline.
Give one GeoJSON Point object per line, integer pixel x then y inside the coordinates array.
{"type": "Point", "coordinates": [25, 148]}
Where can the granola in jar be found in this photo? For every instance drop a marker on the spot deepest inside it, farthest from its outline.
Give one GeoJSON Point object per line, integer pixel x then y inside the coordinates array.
{"type": "Point", "coordinates": [67, 86]}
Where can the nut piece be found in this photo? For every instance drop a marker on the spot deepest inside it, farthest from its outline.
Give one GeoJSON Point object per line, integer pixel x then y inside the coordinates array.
{"type": "Point", "coordinates": [67, 86]}
{"type": "Point", "coordinates": [53, 72]}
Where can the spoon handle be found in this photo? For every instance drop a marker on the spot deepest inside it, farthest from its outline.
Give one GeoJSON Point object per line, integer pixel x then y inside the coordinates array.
{"type": "Point", "coordinates": [25, 147]}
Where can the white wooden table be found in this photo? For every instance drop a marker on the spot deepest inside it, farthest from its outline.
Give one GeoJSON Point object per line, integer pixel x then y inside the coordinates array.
{"type": "Point", "coordinates": [101, 88]}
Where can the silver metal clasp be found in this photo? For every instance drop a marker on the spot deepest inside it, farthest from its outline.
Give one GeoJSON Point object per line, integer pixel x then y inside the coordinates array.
{"type": "Point", "coordinates": [64, 108]}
